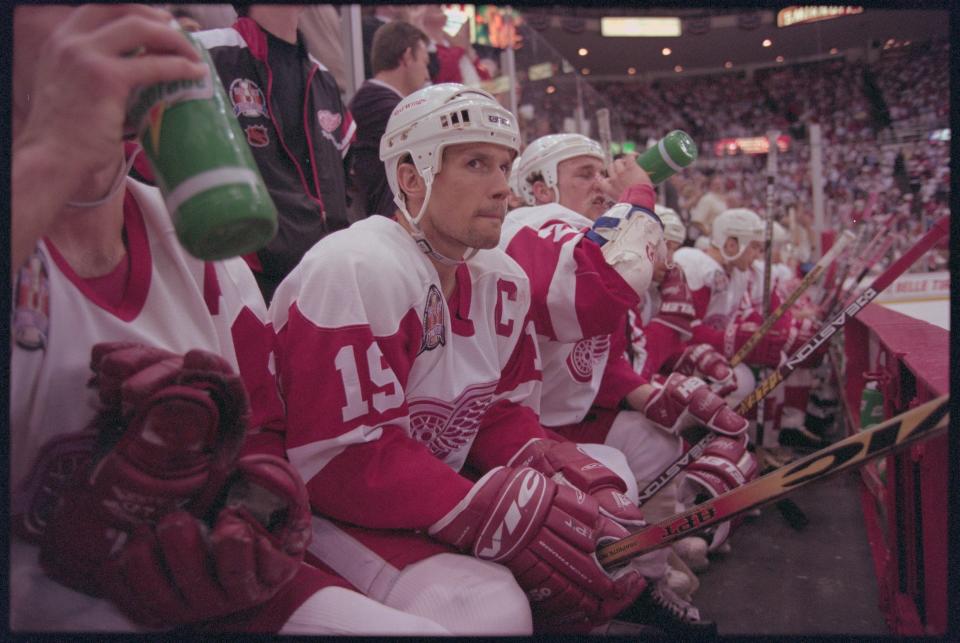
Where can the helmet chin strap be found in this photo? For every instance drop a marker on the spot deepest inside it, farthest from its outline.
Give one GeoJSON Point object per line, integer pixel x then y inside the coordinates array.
{"type": "Point", "coordinates": [118, 182]}
{"type": "Point", "coordinates": [743, 248]}
{"type": "Point", "coordinates": [417, 233]}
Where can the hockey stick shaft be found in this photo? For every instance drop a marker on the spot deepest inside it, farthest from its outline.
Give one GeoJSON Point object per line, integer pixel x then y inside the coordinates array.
{"type": "Point", "coordinates": [781, 310]}
{"type": "Point", "coordinates": [704, 437]}
{"type": "Point", "coordinates": [865, 252]}
{"type": "Point", "coordinates": [604, 134]}
{"type": "Point", "coordinates": [827, 331]}
{"type": "Point", "coordinates": [768, 229]}
{"type": "Point", "coordinates": [844, 295]}
{"type": "Point", "coordinates": [844, 261]}
{"type": "Point", "coordinates": [921, 422]}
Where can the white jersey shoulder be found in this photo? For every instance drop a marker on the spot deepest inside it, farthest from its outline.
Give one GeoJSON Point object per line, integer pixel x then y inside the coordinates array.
{"type": "Point", "coordinates": [699, 268]}
{"type": "Point", "coordinates": [370, 274]}
{"type": "Point", "coordinates": [536, 216]}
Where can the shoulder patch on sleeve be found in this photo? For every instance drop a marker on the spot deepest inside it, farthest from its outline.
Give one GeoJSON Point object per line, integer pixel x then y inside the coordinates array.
{"type": "Point", "coordinates": [226, 37]}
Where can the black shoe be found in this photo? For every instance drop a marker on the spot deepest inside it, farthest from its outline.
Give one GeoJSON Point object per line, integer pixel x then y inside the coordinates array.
{"type": "Point", "coordinates": [659, 607]}
{"type": "Point", "coordinates": [819, 426]}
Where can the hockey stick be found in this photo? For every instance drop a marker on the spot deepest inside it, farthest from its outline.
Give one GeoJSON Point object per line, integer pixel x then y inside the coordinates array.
{"type": "Point", "coordinates": [900, 266]}
{"type": "Point", "coordinates": [844, 295]}
{"type": "Point", "coordinates": [831, 295]}
{"type": "Point", "coordinates": [924, 421]}
{"type": "Point", "coordinates": [768, 230]}
{"type": "Point", "coordinates": [704, 437]}
{"type": "Point", "coordinates": [842, 265]}
{"type": "Point", "coordinates": [808, 279]}
{"type": "Point", "coordinates": [768, 253]}
{"type": "Point", "coordinates": [603, 133]}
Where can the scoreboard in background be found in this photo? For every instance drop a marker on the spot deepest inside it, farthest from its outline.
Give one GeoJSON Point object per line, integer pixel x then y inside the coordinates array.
{"type": "Point", "coordinates": [490, 25]}
{"type": "Point", "coordinates": [749, 145]}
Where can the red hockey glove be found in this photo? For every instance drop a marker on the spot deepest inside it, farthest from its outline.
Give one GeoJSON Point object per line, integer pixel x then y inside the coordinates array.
{"type": "Point", "coordinates": [631, 240]}
{"type": "Point", "coordinates": [547, 535]}
{"type": "Point", "coordinates": [704, 361]}
{"type": "Point", "coordinates": [169, 429]}
{"type": "Point", "coordinates": [724, 465]}
{"type": "Point", "coordinates": [682, 401]}
{"type": "Point", "coordinates": [181, 570]}
{"type": "Point", "coordinates": [565, 463]}
{"type": "Point", "coordinates": [676, 304]}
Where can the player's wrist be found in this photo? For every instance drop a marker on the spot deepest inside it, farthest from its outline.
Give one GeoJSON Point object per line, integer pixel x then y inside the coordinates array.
{"type": "Point", "coordinates": [639, 195]}
{"type": "Point", "coordinates": [637, 398]}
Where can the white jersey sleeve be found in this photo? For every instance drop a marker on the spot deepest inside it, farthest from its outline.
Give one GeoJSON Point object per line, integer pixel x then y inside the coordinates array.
{"type": "Point", "coordinates": [575, 294]}
{"type": "Point", "coordinates": [714, 299]}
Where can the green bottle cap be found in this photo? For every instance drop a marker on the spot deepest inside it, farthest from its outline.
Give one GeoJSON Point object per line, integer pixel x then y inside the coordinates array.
{"type": "Point", "coordinates": [671, 154]}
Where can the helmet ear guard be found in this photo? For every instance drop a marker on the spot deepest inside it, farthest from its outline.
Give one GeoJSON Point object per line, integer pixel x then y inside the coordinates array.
{"type": "Point", "coordinates": [545, 153]}
{"type": "Point", "coordinates": [514, 181]}
{"type": "Point", "coordinates": [742, 224]}
{"type": "Point", "coordinates": [673, 227]}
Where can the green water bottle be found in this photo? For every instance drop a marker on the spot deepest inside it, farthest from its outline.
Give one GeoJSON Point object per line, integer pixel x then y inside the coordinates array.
{"type": "Point", "coordinates": [871, 405]}
{"type": "Point", "coordinates": [671, 154]}
{"type": "Point", "coordinates": [203, 165]}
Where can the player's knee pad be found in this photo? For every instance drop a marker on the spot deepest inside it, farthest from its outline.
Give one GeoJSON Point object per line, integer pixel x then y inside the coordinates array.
{"type": "Point", "coordinates": [467, 596]}
{"type": "Point", "coordinates": [648, 449]}
{"type": "Point", "coordinates": [340, 611]}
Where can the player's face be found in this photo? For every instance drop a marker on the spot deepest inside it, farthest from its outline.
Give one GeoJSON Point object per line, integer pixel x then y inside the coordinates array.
{"type": "Point", "coordinates": [469, 198]}
{"type": "Point", "coordinates": [752, 253]}
{"type": "Point", "coordinates": [578, 181]}
{"type": "Point", "coordinates": [661, 267]}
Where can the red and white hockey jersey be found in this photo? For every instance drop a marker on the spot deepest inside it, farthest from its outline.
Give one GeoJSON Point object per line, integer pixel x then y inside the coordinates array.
{"type": "Point", "coordinates": [58, 317]}
{"type": "Point", "coordinates": [717, 296]}
{"type": "Point", "coordinates": [390, 388]}
{"type": "Point", "coordinates": [780, 279]}
{"type": "Point", "coordinates": [578, 300]}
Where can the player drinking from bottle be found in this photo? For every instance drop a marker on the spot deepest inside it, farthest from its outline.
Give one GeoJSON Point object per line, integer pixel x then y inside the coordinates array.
{"type": "Point", "coordinates": [136, 503]}
{"type": "Point", "coordinates": [588, 266]}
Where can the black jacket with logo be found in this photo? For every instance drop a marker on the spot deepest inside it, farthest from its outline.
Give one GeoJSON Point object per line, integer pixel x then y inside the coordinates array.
{"type": "Point", "coordinates": [309, 191]}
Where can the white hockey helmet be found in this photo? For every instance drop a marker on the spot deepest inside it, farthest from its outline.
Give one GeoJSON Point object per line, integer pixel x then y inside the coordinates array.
{"type": "Point", "coordinates": [742, 224]}
{"type": "Point", "coordinates": [430, 119]}
{"type": "Point", "coordinates": [543, 155]}
{"type": "Point", "coordinates": [515, 179]}
{"type": "Point", "coordinates": [673, 228]}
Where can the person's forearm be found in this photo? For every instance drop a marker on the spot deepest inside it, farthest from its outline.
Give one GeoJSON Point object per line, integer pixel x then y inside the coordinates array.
{"type": "Point", "coordinates": [40, 187]}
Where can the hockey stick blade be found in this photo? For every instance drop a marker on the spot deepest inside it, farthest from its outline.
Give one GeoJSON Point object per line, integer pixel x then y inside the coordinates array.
{"type": "Point", "coordinates": [924, 421]}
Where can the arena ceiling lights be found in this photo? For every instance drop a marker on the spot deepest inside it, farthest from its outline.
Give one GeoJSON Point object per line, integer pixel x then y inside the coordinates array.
{"type": "Point", "coordinates": [801, 15]}
{"type": "Point", "coordinates": [616, 27]}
